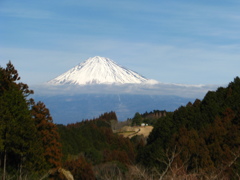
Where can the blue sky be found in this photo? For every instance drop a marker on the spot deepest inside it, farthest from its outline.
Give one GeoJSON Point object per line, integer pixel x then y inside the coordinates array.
{"type": "Point", "coordinates": [174, 41]}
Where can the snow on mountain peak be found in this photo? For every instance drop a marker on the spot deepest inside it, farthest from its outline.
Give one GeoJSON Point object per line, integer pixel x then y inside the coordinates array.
{"type": "Point", "coordinates": [98, 70]}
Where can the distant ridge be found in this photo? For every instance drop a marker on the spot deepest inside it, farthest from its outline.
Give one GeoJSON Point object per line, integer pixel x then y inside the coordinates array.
{"type": "Point", "coordinates": [98, 70]}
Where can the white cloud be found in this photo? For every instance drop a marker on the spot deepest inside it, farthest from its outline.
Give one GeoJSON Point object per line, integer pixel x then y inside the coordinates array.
{"type": "Point", "coordinates": [189, 91]}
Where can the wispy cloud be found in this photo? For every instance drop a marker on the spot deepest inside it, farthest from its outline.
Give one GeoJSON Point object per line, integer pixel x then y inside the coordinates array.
{"type": "Point", "coordinates": [23, 12]}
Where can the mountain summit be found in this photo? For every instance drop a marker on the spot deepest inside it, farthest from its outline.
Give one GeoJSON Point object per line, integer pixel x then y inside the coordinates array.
{"type": "Point", "coordinates": [98, 70]}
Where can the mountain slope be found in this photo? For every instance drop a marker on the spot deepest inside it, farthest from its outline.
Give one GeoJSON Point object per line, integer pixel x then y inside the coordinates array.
{"type": "Point", "coordinates": [98, 70]}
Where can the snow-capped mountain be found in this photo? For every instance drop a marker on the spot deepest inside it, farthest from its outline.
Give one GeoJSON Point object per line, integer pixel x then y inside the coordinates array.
{"type": "Point", "coordinates": [98, 70]}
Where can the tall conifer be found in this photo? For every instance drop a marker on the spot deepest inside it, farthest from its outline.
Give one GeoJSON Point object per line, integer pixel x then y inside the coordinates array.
{"type": "Point", "coordinates": [18, 132]}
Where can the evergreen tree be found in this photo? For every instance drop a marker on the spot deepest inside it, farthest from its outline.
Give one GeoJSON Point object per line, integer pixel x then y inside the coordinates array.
{"type": "Point", "coordinates": [18, 132]}
{"type": "Point", "coordinates": [137, 119]}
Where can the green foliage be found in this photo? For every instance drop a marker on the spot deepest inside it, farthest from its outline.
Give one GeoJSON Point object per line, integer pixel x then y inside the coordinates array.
{"type": "Point", "coordinates": [137, 120]}
{"type": "Point", "coordinates": [21, 147]}
{"type": "Point", "coordinates": [201, 137]}
{"type": "Point", "coordinates": [163, 129]}
{"type": "Point", "coordinates": [95, 140]}
{"type": "Point", "coordinates": [149, 156]}
{"type": "Point", "coordinates": [149, 118]}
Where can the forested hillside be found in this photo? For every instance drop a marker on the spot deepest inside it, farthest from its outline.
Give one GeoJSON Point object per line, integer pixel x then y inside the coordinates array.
{"type": "Point", "coordinates": [93, 142]}
{"type": "Point", "coordinates": [200, 140]}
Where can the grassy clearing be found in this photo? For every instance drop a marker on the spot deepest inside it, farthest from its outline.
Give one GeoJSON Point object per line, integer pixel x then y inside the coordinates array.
{"type": "Point", "coordinates": [128, 131]}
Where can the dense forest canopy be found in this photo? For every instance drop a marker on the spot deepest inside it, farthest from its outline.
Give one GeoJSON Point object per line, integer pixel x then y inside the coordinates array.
{"type": "Point", "coordinates": [201, 138]}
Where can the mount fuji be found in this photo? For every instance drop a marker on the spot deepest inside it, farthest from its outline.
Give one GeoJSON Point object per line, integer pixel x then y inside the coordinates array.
{"type": "Point", "coordinates": [98, 70]}
{"type": "Point", "coordinates": [100, 85]}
